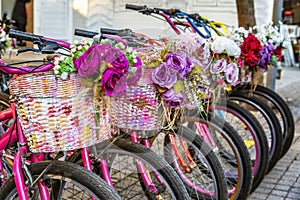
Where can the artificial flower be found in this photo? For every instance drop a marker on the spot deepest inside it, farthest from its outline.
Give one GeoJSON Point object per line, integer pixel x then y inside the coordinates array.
{"type": "Point", "coordinates": [173, 100]}
{"type": "Point", "coordinates": [164, 76]}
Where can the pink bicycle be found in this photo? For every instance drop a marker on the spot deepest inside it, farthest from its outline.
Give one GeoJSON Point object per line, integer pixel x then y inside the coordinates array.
{"type": "Point", "coordinates": [112, 155]}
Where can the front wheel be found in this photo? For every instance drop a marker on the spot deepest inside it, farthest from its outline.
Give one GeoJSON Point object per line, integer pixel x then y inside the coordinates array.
{"type": "Point", "coordinates": [64, 181]}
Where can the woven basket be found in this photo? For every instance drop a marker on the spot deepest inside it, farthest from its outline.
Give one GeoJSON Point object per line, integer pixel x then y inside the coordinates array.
{"type": "Point", "coordinates": [139, 108]}
{"type": "Point", "coordinates": [58, 115]}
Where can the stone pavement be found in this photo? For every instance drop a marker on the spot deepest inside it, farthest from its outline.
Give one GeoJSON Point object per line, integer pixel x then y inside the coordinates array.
{"type": "Point", "coordinates": [283, 182]}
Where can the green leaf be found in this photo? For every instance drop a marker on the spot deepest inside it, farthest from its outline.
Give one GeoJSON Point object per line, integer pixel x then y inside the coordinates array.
{"type": "Point", "coordinates": [178, 86]}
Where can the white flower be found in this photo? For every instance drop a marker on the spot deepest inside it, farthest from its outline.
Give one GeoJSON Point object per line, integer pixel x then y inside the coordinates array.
{"type": "Point", "coordinates": [79, 47]}
{"type": "Point", "coordinates": [61, 58]}
{"type": "Point", "coordinates": [56, 61]}
{"type": "Point", "coordinates": [56, 71]}
{"type": "Point", "coordinates": [232, 48]}
{"type": "Point", "coordinates": [76, 42]}
{"type": "Point", "coordinates": [84, 41]}
{"type": "Point", "coordinates": [56, 67]}
{"type": "Point", "coordinates": [72, 46]}
{"type": "Point", "coordinates": [218, 45]}
{"type": "Point", "coordinates": [135, 60]}
{"type": "Point", "coordinates": [73, 50]}
{"type": "Point", "coordinates": [64, 76]}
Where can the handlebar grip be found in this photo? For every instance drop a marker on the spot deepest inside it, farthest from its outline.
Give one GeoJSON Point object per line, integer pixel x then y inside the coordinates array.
{"type": "Point", "coordinates": [134, 7]}
{"type": "Point", "coordinates": [109, 31]}
{"type": "Point", "coordinates": [84, 33]}
{"type": "Point", "coordinates": [24, 36]}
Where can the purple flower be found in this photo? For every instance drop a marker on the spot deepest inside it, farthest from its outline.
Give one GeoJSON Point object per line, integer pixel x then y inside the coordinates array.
{"type": "Point", "coordinates": [175, 62]}
{"type": "Point", "coordinates": [173, 100]}
{"type": "Point", "coordinates": [135, 75]}
{"type": "Point", "coordinates": [218, 66]}
{"type": "Point", "coordinates": [232, 74]}
{"type": "Point", "coordinates": [188, 67]}
{"type": "Point", "coordinates": [111, 83]}
{"type": "Point", "coordinates": [117, 58]}
{"type": "Point", "coordinates": [89, 62]}
{"type": "Point", "coordinates": [164, 76]}
{"type": "Point", "coordinates": [266, 55]}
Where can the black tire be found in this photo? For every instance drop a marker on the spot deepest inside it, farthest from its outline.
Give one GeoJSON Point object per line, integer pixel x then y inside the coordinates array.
{"type": "Point", "coordinates": [250, 129]}
{"type": "Point", "coordinates": [205, 170]}
{"type": "Point", "coordinates": [62, 173]}
{"type": "Point", "coordinates": [233, 154]}
{"type": "Point", "coordinates": [273, 129]}
{"type": "Point", "coordinates": [127, 154]}
{"type": "Point", "coordinates": [281, 107]}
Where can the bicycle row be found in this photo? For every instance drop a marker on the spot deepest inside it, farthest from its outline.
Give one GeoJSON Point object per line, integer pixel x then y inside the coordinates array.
{"type": "Point", "coordinates": [155, 114]}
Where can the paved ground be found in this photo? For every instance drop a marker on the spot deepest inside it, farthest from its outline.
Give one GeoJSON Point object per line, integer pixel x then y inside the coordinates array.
{"type": "Point", "coordinates": [283, 182]}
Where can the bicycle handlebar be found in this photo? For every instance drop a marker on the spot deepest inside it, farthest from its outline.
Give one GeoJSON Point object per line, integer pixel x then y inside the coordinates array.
{"type": "Point", "coordinates": [110, 31]}
{"type": "Point", "coordinates": [84, 33]}
{"type": "Point", "coordinates": [134, 7]}
{"type": "Point", "coordinates": [24, 36]}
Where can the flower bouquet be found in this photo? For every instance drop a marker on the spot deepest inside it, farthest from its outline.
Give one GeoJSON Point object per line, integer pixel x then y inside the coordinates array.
{"type": "Point", "coordinates": [260, 46]}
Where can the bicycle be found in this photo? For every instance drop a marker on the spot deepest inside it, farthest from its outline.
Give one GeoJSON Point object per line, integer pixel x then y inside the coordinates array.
{"type": "Point", "coordinates": [166, 176]}
{"type": "Point", "coordinates": [38, 178]}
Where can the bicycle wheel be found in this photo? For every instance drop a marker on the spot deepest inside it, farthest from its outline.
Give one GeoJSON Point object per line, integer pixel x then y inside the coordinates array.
{"type": "Point", "coordinates": [199, 168]}
{"type": "Point", "coordinates": [122, 157]}
{"type": "Point", "coordinates": [281, 109]}
{"type": "Point", "coordinates": [231, 152]}
{"type": "Point", "coordinates": [267, 119]}
{"type": "Point", "coordinates": [64, 181]}
{"type": "Point", "coordinates": [253, 135]}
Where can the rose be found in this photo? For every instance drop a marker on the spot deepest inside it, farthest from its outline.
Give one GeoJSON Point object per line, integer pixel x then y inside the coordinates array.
{"type": "Point", "coordinates": [218, 45]}
{"type": "Point", "coordinates": [251, 60]}
{"type": "Point", "coordinates": [189, 64]}
{"type": "Point", "coordinates": [232, 73]}
{"type": "Point", "coordinates": [110, 80]}
{"type": "Point", "coordinates": [88, 63]}
{"type": "Point", "coordinates": [173, 100]}
{"type": "Point", "coordinates": [251, 45]}
{"type": "Point", "coordinates": [278, 53]}
{"type": "Point", "coordinates": [218, 66]}
{"type": "Point", "coordinates": [232, 48]}
{"type": "Point", "coordinates": [121, 62]}
{"type": "Point", "coordinates": [117, 58]}
{"type": "Point", "coordinates": [164, 76]}
{"type": "Point", "coordinates": [175, 62]}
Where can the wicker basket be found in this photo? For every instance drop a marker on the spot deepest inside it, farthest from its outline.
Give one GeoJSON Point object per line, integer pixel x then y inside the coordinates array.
{"type": "Point", "coordinates": [139, 108]}
{"type": "Point", "coordinates": [57, 115]}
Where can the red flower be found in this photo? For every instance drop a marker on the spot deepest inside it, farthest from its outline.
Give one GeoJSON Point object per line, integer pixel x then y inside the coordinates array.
{"type": "Point", "coordinates": [251, 45]}
{"type": "Point", "coordinates": [251, 60]}
{"type": "Point", "coordinates": [278, 53]}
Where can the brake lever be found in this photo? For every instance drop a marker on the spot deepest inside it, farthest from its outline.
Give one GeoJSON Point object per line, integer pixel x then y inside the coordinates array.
{"type": "Point", "coordinates": [23, 50]}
